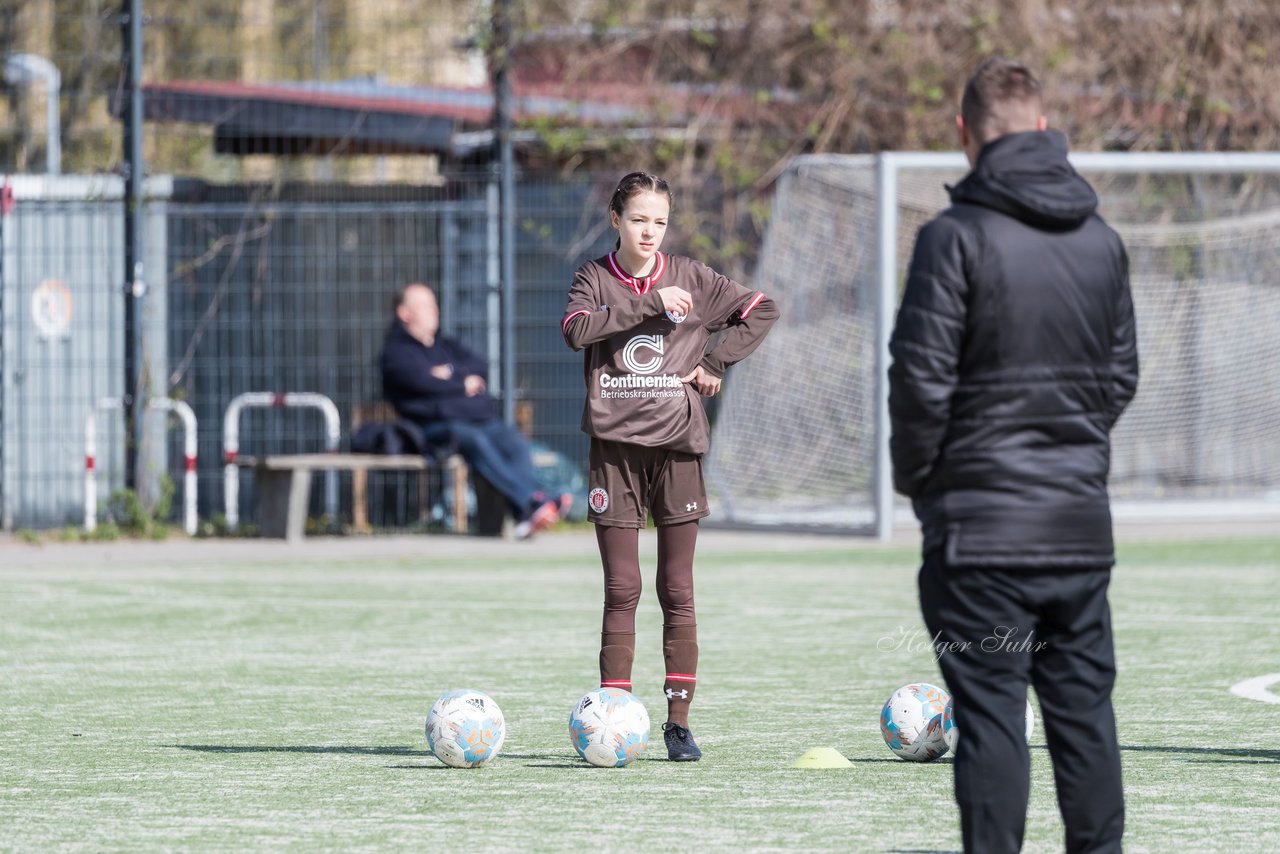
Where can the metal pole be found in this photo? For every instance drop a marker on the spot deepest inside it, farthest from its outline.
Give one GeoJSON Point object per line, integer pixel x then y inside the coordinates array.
{"type": "Point", "coordinates": [134, 232]}
{"type": "Point", "coordinates": [319, 71]}
{"type": "Point", "coordinates": [449, 272]}
{"type": "Point", "coordinates": [24, 69]}
{"type": "Point", "coordinates": [886, 304]}
{"type": "Point", "coordinates": [53, 124]}
{"type": "Point", "coordinates": [506, 161]}
{"type": "Point", "coordinates": [493, 280]}
{"type": "Point", "coordinates": [6, 515]}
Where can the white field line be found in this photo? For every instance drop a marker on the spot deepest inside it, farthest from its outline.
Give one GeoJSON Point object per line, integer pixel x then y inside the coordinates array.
{"type": "Point", "coordinates": [1256, 688]}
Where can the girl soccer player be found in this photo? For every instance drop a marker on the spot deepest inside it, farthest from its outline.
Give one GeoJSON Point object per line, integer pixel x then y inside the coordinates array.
{"type": "Point", "coordinates": [645, 319]}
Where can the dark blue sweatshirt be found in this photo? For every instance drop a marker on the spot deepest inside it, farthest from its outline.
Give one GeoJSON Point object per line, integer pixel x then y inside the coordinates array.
{"type": "Point", "coordinates": [409, 386]}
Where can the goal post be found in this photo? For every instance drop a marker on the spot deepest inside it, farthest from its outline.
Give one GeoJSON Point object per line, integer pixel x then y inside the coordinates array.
{"type": "Point", "coordinates": [801, 435]}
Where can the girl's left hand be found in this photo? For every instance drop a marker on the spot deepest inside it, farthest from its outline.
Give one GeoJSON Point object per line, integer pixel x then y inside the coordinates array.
{"type": "Point", "coordinates": [703, 382]}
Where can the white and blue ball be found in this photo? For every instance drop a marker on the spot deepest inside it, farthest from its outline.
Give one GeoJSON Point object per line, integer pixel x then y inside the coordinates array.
{"type": "Point", "coordinates": [911, 722]}
{"type": "Point", "coordinates": [609, 727]}
{"type": "Point", "coordinates": [465, 728]}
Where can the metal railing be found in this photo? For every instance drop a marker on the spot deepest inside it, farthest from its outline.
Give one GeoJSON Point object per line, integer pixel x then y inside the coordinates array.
{"type": "Point", "coordinates": [231, 443]}
{"type": "Point", "coordinates": [190, 519]}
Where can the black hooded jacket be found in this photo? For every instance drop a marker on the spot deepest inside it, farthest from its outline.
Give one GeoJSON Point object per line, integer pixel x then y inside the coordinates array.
{"type": "Point", "coordinates": [1013, 355]}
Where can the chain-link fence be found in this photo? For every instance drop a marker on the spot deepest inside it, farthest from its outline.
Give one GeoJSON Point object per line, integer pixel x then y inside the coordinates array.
{"type": "Point", "coordinates": [305, 159]}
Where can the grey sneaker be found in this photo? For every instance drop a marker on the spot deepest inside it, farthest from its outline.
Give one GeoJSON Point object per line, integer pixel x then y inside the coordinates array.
{"type": "Point", "coordinates": [680, 744]}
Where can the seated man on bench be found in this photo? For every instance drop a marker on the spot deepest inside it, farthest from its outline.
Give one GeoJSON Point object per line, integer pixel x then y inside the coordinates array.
{"type": "Point", "coordinates": [440, 385]}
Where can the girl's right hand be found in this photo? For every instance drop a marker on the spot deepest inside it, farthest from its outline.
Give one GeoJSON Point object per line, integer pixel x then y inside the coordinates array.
{"type": "Point", "coordinates": [676, 300]}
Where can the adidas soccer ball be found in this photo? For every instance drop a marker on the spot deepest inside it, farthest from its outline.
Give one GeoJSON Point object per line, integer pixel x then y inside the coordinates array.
{"type": "Point", "coordinates": [911, 722]}
{"type": "Point", "coordinates": [465, 728]}
{"type": "Point", "coordinates": [609, 727]}
{"type": "Point", "coordinates": [952, 734]}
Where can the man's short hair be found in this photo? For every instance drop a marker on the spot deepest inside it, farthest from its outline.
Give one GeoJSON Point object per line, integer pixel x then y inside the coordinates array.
{"type": "Point", "coordinates": [1001, 97]}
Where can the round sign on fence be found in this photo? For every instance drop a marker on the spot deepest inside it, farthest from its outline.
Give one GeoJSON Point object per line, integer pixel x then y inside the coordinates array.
{"type": "Point", "coordinates": [51, 309]}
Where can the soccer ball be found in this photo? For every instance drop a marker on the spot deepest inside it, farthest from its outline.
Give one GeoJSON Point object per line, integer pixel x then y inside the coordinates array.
{"type": "Point", "coordinates": [911, 722]}
{"type": "Point", "coordinates": [609, 727]}
{"type": "Point", "coordinates": [952, 733]}
{"type": "Point", "coordinates": [465, 728]}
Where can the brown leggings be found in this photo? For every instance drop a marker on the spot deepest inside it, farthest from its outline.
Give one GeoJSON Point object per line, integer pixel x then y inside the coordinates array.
{"type": "Point", "coordinates": [620, 554]}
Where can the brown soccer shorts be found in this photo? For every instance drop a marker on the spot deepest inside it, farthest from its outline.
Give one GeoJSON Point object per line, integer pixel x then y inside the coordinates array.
{"type": "Point", "coordinates": [628, 483]}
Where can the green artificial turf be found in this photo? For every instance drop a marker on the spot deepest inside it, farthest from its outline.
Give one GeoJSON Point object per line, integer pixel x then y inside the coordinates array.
{"type": "Point", "coordinates": [270, 705]}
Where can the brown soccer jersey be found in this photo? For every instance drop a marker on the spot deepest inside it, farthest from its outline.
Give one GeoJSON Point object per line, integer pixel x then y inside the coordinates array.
{"type": "Point", "coordinates": [637, 353]}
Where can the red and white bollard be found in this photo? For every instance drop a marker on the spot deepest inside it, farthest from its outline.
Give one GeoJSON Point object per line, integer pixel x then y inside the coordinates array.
{"type": "Point", "coordinates": [90, 461]}
{"type": "Point", "coordinates": [188, 418]}
{"type": "Point", "coordinates": [231, 443]}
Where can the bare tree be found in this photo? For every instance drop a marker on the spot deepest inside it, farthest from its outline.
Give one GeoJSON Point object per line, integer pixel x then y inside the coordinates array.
{"type": "Point", "coordinates": [738, 87]}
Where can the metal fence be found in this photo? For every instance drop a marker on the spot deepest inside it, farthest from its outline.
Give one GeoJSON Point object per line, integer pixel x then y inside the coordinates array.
{"type": "Point", "coordinates": [278, 289]}
{"type": "Point", "coordinates": [305, 158]}
{"type": "Point", "coordinates": [61, 264]}
{"type": "Point", "coordinates": [295, 295]}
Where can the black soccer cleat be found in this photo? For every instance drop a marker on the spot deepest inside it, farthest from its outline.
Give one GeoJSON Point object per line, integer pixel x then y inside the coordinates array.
{"type": "Point", "coordinates": [680, 744]}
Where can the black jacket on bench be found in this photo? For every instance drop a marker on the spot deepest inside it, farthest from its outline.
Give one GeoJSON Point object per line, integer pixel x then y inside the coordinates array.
{"type": "Point", "coordinates": [398, 437]}
{"type": "Point", "coordinates": [1013, 355]}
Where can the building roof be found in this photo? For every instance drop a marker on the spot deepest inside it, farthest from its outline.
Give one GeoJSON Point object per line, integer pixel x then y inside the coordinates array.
{"type": "Point", "coordinates": [357, 117]}
{"type": "Point", "coordinates": [373, 117]}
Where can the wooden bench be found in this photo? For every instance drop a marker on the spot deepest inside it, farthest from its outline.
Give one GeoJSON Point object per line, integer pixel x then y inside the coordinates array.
{"type": "Point", "coordinates": [283, 483]}
{"type": "Point", "coordinates": [455, 469]}
{"type": "Point", "coordinates": [283, 487]}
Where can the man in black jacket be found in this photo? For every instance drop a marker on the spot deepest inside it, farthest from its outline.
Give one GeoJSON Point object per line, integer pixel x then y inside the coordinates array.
{"type": "Point", "coordinates": [440, 385]}
{"type": "Point", "coordinates": [1013, 355]}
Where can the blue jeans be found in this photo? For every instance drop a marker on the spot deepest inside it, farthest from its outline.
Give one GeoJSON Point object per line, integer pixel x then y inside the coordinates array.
{"type": "Point", "coordinates": [497, 452]}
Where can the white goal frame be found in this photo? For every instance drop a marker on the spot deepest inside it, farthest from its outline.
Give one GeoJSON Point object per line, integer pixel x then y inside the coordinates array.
{"type": "Point", "coordinates": [890, 165]}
